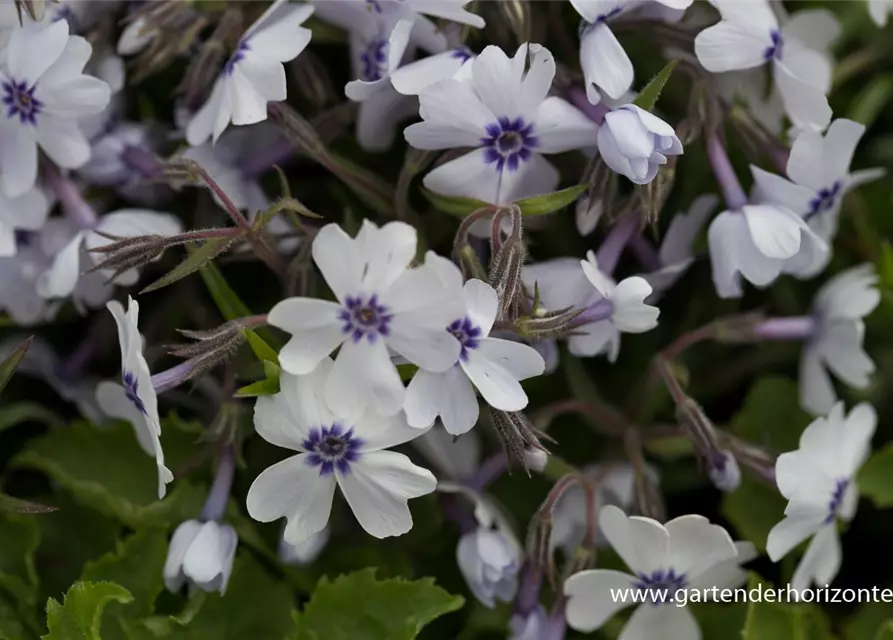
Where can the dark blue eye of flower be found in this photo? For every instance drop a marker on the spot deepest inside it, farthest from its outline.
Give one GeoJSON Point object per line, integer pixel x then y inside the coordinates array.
{"type": "Point", "coordinates": [374, 59]}
{"type": "Point", "coordinates": [332, 448]}
{"type": "Point", "coordinates": [837, 499]}
{"type": "Point", "coordinates": [660, 586]}
{"type": "Point", "coordinates": [467, 333]}
{"type": "Point", "coordinates": [824, 199]}
{"type": "Point", "coordinates": [20, 101]}
{"type": "Point", "coordinates": [238, 56]}
{"type": "Point", "coordinates": [508, 143]}
{"type": "Point", "coordinates": [775, 49]}
{"type": "Point", "coordinates": [131, 390]}
{"type": "Point", "coordinates": [365, 318]}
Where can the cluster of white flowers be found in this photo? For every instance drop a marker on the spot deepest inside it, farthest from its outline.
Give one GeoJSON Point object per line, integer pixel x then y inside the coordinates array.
{"type": "Point", "coordinates": [406, 343]}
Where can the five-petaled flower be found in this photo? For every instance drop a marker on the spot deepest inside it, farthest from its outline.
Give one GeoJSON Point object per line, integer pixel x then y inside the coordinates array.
{"type": "Point", "coordinates": [332, 451]}
{"type": "Point", "coordinates": [819, 481]}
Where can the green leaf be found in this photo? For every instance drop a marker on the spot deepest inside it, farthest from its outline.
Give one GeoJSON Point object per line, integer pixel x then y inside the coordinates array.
{"type": "Point", "coordinates": [15, 414]}
{"type": "Point", "coordinates": [265, 387]}
{"type": "Point", "coordinates": [648, 96]}
{"type": "Point", "coordinates": [255, 606]}
{"type": "Point", "coordinates": [885, 632]}
{"type": "Point", "coordinates": [11, 625]}
{"type": "Point", "coordinates": [19, 539]}
{"type": "Point", "coordinates": [262, 350]}
{"type": "Point", "coordinates": [754, 508]}
{"type": "Point", "coordinates": [454, 205]}
{"type": "Point", "coordinates": [229, 304]}
{"type": "Point", "coordinates": [360, 607]}
{"type": "Point", "coordinates": [670, 448]}
{"type": "Point", "coordinates": [868, 620]}
{"type": "Point", "coordinates": [11, 363]}
{"type": "Point", "coordinates": [197, 258]}
{"type": "Point", "coordinates": [875, 479]}
{"type": "Point", "coordinates": [122, 485]}
{"type": "Point", "coordinates": [80, 616]}
{"type": "Point", "coordinates": [885, 265]}
{"type": "Point", "coordinates": [16, 505]}
{"type": "Point", "coordinates": [550, 202]}
{"type": "Point", "coordinates": [782, 621]}
{"type": "Point", "coordinates": [771, 415]}
{"type": "Point", "coordinates": [871, 101]}
{"type": "Point", "coordinates": [365, 184]}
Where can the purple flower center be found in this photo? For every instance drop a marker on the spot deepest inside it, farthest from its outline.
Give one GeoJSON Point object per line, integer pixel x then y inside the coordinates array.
{"type": "Point", "coordinates": [20, 101]}
{"type": "Point", "coordinates": [131, 390]}
{"type": "Point", "coordinates": [238, 56]}
{"type": "Point", "coordinates": [364, 317]}
{"type": "Point", "coordinates": [508, 143]}
{"type": "Point", "coordinates": [331, 448]}
{"type": "Point", "coordinates": [374, 59]}
{"type": "Point", "coordinates": [774, 50]}
{"type": "Point", "coordinates": [660, 587]}
{"type": "Point", "coordinates": [836, 499]}
{"type": "Point", "coordinates": [374, 5]}
{"type": "Point", "coordinates": [468, 335]}
{"type": "Point", "coordinates": [824, 199]}
{"type": "Point", "coordinates": [462, 53]}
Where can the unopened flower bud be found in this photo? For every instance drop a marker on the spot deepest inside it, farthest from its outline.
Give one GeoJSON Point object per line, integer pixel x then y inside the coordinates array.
{"type": "Point", "coordinates": [724, 472]}
{"type": "Point", "coordinates": [517, 433]}
{"type": "Point", "coordinates": [200, 554]}
{"type": "Point", "coordinates": [304, 553]}
{"type": "Point", "coordinates": [489, 560]}
{"type": "Point", "coordinates": [634, 143]}
{"type": "Point", "coordinates": [536, 459]}
{"type": "Point", "coordinates": [505, 267]}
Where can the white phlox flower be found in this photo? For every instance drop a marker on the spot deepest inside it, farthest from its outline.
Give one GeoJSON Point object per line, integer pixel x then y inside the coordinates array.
{"type": "Point", "coordinates": [354, 16]}
{"type": "Point", "coordinates": [757, 242]}
{"type": "Point", "coordinates": [493, 366]}
{"type": "Point", "coordinates": [819, 176]}
{"type": "Point", "coordinates": [63, 277]}
{"type": "Point", "coordinates": [455, 458]}
{"type": "Point", "coordinates": [749, 35]}
{"type": "Point", "coordinates": [676, 252]}
{"type": "Point", "coordinates": [836, 338]}
{"type": "Point", "coordinates": [376, 51]}
{"type": "Point", "coordinates": [27, 212]}
{"type": "Point", "coordinates": [134, 400]}
{"type": "Point", "coordinates": [611, 308]}
{"type": "Point", "coordinates": [200, 554]}
{"type": "Point", "coordinates": [306, 552]}
{"type": "Point", "coordinates": [687, 552]}
{"type": "Point", "coordinates": [115, 161]}
{"type": "Point", "coordinates": [533, 626]}
{"type": "Point", "coordinates": [880, 11]}
{"type": "Point", "coordinates": [381, 304]}
{"type": "Point", "coordinates": [43, 98]}
{"type": "Point", "coordinates": [489, 558]}
{"type": "Point", "coordinates": [18, 282]}
{"type": "Point", "coordinates": [333, 452]}
{"type": "Point", "coordinates": [636, 143]}
{"type": "Point", "coordinates": [413, 78]}
{"type": "Point", "coordinates": [819, 481]}
{"type": "Point", "coordinates": [503, 112]}
{"type": "Point", "coordinates": [254, 74]}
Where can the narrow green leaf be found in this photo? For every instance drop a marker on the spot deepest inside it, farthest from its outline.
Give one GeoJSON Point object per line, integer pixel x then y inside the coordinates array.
{"type": "Point", "coordinates": [885, 264]}
{"type": "Point", "coordinates": [16, 505]}
{"type": "Point", "coordinates": [366, 185]}
{"type": "Point", "coordinates": [262, 350]}
{"type": "Point", "coordinates": [754, 508]}
{"type": "Point", "coordinates": [771, 415]}
{"type": "Point", "coordinates": [80, 617]}
{"type": "Point", "coordinates": [868, 620]}
{"type": "Point", "coordinates": [454, 205]}
{"type": "Point", "coordinates": [14, 414]}
{"type": "Point", "coordinates": [19, 539]}
{"type": "Point", "coordinates": [550, 202]}
{"type": "Point", "coordinates": [648, 97]}
{"type": "Point", "coordinates": [8, 366]}
{"type": "Point", "coordinates": [875, 479]}
{"type": "Point", "coordinates": [229, 304]}
{"type": "Point", "coordinates": [197, 258]}
{"type": "Point", "coordinates": [265, 387]}
{"type": "Point", "coordinates": [872, 100]}
{"type": "Point", "coordinates": [885, 632]}
{"type": "Point", "coordinates": [360, 607]}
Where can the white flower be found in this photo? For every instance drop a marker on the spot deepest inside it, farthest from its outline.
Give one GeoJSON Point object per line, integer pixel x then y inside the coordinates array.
{"type": "Point", "coordinates": [489, 561]}
{"type": "Point", "coordinates": [880, 11]}
{"type": "Point", "coordinates": [351, 455]}
{"type": "Point", "coordinates": [757, 241]}
{"type": "Point", "coordinates": [376, 51]}
{"type": "Point", "coordinates": [686, 552]}
{"type": "Point", "coordinates": [819, 172]}
{"type": "Point", "coordinates": [135, 401]}
{"type": "Point", "coordinates": [253, 75]}
{"type": "Point", "coordinates": [413, 78]}
{"type": "Point", "coordinates": [381, 304]}
{"type": "Point", "coordinates": [610, 308]}
{"type": "Point", "coordinates": [201, 554]}
{"type": "Point", "coordinates": [62, 278]}
{"type": "Point", "coordinates": [504, 113]}
{"type": "Point", "coordinates": [676, 250]}
{"type": "Point", "coordinates": [306, 552]}
{"type": "Point", "coordinates": [634, 143]}
{"type": "Point", "coordinates": [456, 458]}
{"type": "Point", "coordinates": [43, 97]}
{"type": "Point", "coordinates": [836, 342]}
{"type": "Point", "coordinates": [219, 160]}
{"type": "Point", "coordinates": [354, 15]}
{"type": "Point", "coordinates": [533, 626]}
{"type": "Point", "coordinates": [492, 366]}
{"type": "Point", "coordinates": [135, 37]}
{"type": "Point", "coordinates": [819, 481]}
{"type": "Point", "coordinates": [749, 36]}
{"type": "Point", "coordinates": [18, 282]}
{"type": "Point", "coordinates": [26, 212]}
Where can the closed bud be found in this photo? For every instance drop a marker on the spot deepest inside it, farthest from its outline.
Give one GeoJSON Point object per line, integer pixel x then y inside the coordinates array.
{"type": "Point", "coordinates": [653, 195]}
{"type": "Point", "coordinates": [551, 325]}
{"type": "Point", "coordinates": [298, 130]}
{"type": "Point", "coordinates": [200, 554]}
{"type": "Point", "coordinates": [724, 472]}
{"type": "Point", "coordinates": [752, 457]}
{"type": "Point", "coordinates": [635, 143]}
{"type": "Point", "coordinates": [517, 434]}
{"type": "Point", "coordinates": [211, 347]}
{"type": "Point", "coordinates": [505, 267]}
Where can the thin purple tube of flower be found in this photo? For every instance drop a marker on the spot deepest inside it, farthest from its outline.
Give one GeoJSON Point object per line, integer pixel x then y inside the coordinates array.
{"type": "Point", "coordinates": [171, 378]}
{"type": "Point", "coordinates": [218, 496]}
{"type": "Point", "coordinates": [793, 328]}
{"type": "Point", "coordinates": [732, 191]}
{"type": "Point", "coordinates": [608, 254]}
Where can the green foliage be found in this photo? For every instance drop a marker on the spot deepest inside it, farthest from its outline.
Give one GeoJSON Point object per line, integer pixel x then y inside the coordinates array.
{"type": "Point", "coordinates": [123, 485]}
{"type": "Point", "coordinates": [19, 538]}
{"type": "Point", "coordinates": [885, 632]}
{"type": "Point", "coordinates": [11, 363]}
{"type": "Point", "coordinates": [229, 304]}
{"type": "Point", "coordinates": [771, 415]}
{"type": "Point", "coordinates": [534, 206]}
{"type": "Point", "coordinates": [754, 509]}
{"type": "Point", "coordinates": [868, 622]}
{"type": "Point", "coordinates": [648, 96]}
{"type": "Point", "coordinates": [80, 616]}
{"type": "Point", "coordinates": [19, 412]}
{"type": "Point", "coordinates": [782, 621]}
{"type": "Point", "coordinates": [197, 258]}
{"type": "Point", "coordinates": [875, 479]}
{"type": "Point", "coordinates": [360, 607]}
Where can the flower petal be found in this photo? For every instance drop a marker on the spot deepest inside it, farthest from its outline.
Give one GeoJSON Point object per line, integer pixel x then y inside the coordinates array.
{"type": "Point", "coordinates": [799, 523]}
{"type": "Point", "coordinates": [424, 398]}
{"type": "Point", "coordinates": [561, 127]}
{"type": "Point", "coordinates": [459, 410]}
{"type": "Point", "coordinates": [364, 376]}
{"type": "Point", "coordinates": [821, 562]}
{"type": "Point", "coordinates": [605, 63]}
{"type": "Point", "coordinates": [817, 394]}
{"type": "Point", "coordinates": [482, 304]}
{"type": "Point", "coordinates": [697, 545]}
{"type": "Point", "coordinates": [591, 600]}
{"type": "Point", "coordinates": [315, 329]}
{"type": "Point", "coordinates": [49, 40]}
{"type": "Point", "coordinates": [642, 543]}
{"type": "Point", "coordinates": [649, 622]}
{"type": "Point", "coordinates": [727, 46]}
